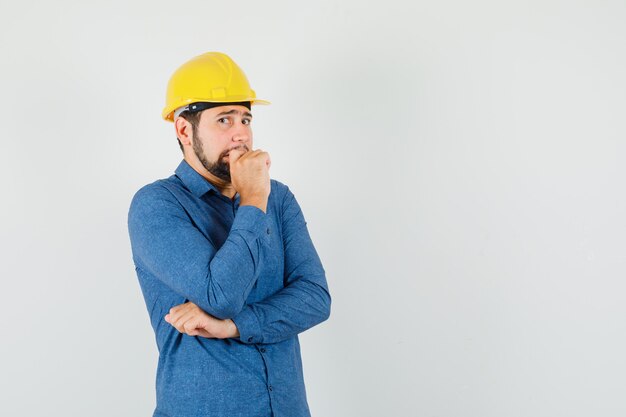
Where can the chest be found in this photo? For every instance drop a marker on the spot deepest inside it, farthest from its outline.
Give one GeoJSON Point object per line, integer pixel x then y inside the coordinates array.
{"type": "Point", "coordinates": [215, 219]}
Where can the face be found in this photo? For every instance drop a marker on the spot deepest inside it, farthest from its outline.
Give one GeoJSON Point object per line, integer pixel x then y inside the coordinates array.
{"type": "Point", "coordinates": [220, 130]}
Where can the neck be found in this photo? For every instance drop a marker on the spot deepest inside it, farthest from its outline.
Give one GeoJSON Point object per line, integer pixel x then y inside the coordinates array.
{"type": "Point", "coordinates": [225, 187]}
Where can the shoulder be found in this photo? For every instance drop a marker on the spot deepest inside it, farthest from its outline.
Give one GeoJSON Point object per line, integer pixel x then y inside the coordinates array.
{"type": "Point", "coordinates": [157, 190]}
{"type": "Point", "coordinates": [156, 197]}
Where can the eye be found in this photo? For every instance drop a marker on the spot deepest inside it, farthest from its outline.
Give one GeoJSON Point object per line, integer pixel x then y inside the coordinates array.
{"type": "Point", "coordinates": [224, 120]}
{"type": "Point", "coordinates": [246, 121]}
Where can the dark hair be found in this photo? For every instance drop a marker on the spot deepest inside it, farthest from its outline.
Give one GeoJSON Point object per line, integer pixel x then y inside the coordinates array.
{"type": "Point", "coordinates": [194, 119]}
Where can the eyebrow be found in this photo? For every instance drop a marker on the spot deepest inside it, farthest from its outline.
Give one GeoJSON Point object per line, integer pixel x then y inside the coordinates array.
{"type": "Point", "coordinates": [233, 111]}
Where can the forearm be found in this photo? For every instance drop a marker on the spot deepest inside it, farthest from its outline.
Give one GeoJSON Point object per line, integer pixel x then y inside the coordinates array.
{"type": "Point", "coordinates": [304, 301]}
{"type": "Point", "coordinates": [294, 309]}
{"type": "Point", "coordinates": [168, 245]}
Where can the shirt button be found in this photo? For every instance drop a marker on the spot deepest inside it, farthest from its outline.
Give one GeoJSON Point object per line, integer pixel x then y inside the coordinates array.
{"type": "Point", "coordinates": [268, 230]}
{"type": "Point", "coordinates": [270, 388]}
{"type": "Point", "coordinates": [250, 339]}
{"type": "Point", "coordinates": [262, 350]}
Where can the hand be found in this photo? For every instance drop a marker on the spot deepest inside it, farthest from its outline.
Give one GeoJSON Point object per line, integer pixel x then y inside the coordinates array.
{"type": "Point", "coordinates": [190, 319]}
{"type": "Point", "coordinates": [249, 174]}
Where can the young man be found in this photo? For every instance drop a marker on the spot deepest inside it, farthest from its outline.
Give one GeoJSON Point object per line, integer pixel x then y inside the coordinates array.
{"type": "Point", "coordinates": [224, 259]}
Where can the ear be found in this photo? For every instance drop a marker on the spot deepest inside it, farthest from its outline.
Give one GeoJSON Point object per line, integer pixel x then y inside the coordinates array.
{"type": "Point", "coordinates": [183, 130]}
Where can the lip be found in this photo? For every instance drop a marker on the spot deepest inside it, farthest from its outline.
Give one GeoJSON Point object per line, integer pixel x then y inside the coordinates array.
{"type": "Point", "coordinates": [234, 149]}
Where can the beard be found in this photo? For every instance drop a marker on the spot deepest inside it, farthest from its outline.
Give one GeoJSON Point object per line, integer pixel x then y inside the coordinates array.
{"type": "Point", "coordinates": [218, 168]}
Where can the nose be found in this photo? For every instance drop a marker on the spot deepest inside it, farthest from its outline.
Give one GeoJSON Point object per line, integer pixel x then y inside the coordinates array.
{"type": "Point", "coordinates": [241, 133]}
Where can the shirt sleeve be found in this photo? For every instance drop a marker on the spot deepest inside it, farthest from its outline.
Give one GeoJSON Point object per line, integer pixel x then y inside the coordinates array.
{"type": "Point", "coordinates": [167, 244]}
{"type": "Point", "coordinates": [303, 302]}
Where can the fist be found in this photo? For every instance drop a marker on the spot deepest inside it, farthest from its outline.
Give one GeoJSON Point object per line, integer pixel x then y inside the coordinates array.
{"type": "Point", "coordinates": [249, 174]}
{"type": "Point", "coordinates": [190, 319]}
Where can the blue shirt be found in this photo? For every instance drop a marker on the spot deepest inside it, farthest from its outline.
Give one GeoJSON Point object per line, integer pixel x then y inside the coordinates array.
{"type": "Point", "coordinates": [191, 243]}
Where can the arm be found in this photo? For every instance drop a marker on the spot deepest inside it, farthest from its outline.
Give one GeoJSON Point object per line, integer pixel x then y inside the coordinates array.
{"type": "Point", "coordinates": [167, 244]}
{"type": "Point", "coordinates": [304, 301]}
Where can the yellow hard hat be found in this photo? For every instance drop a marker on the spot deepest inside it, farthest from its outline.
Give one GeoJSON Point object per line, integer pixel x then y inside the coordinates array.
{"type": "Point", "coordinates": [212, 77]}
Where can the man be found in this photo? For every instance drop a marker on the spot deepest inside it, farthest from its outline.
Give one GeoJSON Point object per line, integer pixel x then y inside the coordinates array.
{"type": "Point", "coordinates": [226, 265]}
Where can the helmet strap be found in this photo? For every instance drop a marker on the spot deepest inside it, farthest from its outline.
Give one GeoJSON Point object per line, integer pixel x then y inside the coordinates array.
{"type": "Point", "coordinates": [203, 105]}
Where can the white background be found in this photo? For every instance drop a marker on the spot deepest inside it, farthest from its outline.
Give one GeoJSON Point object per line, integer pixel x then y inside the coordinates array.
{"type": "Point", "coordinates": [460, 166]}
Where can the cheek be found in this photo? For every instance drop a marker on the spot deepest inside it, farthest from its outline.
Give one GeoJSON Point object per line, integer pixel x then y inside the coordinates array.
{"type": "Point", "coordinates": [220, 145]}
{"type": "Point", "coordinates": [214, 144]}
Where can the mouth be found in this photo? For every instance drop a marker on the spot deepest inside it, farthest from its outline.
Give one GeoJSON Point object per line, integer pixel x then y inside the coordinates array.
{"type": "Point", "coordinates": [227, 154]}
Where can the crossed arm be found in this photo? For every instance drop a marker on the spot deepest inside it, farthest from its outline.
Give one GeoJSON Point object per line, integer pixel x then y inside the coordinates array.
{"type": "Point", "coordinates": [217, 282]}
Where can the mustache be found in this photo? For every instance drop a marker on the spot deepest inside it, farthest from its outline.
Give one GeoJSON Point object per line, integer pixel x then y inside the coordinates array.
{"type": "Point", "coordinates": [226, 152]}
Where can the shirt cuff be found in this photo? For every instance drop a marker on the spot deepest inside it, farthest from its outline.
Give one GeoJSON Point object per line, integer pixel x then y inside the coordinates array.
{"type": "Point", "coordinates": [248, 326]}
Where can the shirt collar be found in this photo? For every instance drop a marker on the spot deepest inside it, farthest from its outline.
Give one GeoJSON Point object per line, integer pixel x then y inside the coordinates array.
{"type": "Point", "coordinates": [195, 182]}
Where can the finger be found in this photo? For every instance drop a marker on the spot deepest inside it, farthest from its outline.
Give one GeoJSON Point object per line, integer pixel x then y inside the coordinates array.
{"type": "Point", "coordinates": [250, 154]}
{"type": "Point", "coordinates": [174, 321]}
{"type": "Point", "coordinates": [196, 326]}
{"type": "Point", "coordinates": [268, 161]}
{"type": "Point", "coordinates": [262, 155]}
{"type": "Point", "coordinates": [235, 154]}
{"type": "Point", "coordinates": [177, 311]}
{"type": "Point", "coordinates": [180, 322]}
{"type": "Point", "coordinates": [206, 334]}
{"type": "Point", "coordinates": [193, 319]}
{"type": "Point", "coordinates": [191, 325]}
